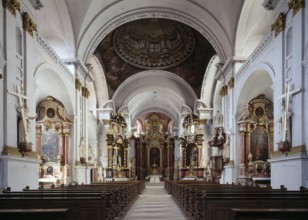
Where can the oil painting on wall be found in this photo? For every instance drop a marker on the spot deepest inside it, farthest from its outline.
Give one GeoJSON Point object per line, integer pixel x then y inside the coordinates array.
{"type": "Point", "coordinates": [50, 149]}
{"type": "Point", "coordinates": [259, 144]}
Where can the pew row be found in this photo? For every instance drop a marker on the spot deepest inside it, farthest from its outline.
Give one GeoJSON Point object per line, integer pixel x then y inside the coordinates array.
{"type": "Point", "coordinates": [35, 214]}
{"type": "Point", "coordinates": [97, 201]}
{"type": "Point", "coordinates": [200, 200]}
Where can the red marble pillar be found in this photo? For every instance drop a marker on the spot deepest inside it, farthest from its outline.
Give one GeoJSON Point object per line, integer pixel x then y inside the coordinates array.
{"type": "Point", "coordinates": [65, 148]}
{"type": "Point", "coordinates": [65, 132]}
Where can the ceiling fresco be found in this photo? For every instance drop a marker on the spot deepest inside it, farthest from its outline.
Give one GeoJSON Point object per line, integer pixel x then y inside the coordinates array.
{"type": "Point", "coordinates": [154, 44]}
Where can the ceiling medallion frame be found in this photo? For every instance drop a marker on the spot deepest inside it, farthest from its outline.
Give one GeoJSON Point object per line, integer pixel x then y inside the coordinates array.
{"type": "Point", "coordinates": [154, 43]}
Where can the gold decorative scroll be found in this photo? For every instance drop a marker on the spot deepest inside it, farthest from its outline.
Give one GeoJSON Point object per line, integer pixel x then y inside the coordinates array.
{"type": "Point", "coordinates": [296, 5]}
{"type": "Point", "coordinates": [280, 23]}
{"type": "Point", "coordinates": [11, 5]}
{"type": "Point", "coordinates": [231, 83]}
{"type": "Point", "coordinates": [224, 91]}
{"type": "Point", "coordinates": [27, 23]}
{"type": "Point", "coordinates": [78, 84]}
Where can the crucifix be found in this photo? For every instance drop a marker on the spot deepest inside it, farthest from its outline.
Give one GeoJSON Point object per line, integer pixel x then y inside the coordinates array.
{"type": "Point", "coordinates": [286, 114]}
{"type": "Point", "coordinates": [22, 108]}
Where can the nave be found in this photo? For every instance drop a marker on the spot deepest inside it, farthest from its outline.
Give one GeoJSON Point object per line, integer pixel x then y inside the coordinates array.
{"type": "Point", "coordinates": [154, 203]}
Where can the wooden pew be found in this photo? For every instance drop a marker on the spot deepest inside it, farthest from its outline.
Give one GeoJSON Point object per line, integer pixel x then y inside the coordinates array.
{"type": "Point", "coordinates": [35, 214]}
{"type": "Point", "coordinates": [210, 201]}
{"type": "Point", "coordinates": [266, 213]}
{"type": "Point", "coordinates": [81, 208]}
{"type": "Point", "coordinates": [101, 201]}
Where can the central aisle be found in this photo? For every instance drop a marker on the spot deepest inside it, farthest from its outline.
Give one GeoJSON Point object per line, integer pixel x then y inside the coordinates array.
{"type": "Point", "coordinates": [154, 203]}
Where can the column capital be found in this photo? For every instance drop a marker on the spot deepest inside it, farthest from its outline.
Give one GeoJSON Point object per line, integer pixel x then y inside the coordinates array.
{"type": "Point", "coordinates": [11, 5]}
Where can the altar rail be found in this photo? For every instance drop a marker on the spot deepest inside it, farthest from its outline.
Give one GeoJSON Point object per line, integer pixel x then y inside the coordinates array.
{"type": "Point", "coordinates": [95, 201]}
{"type": "Point", "coordinates": [201, 200]}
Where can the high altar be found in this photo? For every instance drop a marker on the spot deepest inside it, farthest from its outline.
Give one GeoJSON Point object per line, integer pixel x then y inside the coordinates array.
{"type": "Point", "coordinates": [154, 150]}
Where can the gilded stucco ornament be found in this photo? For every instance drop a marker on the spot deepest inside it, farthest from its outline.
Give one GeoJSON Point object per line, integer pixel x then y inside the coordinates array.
{"type": "Point", "coordinates": [28, 24]}
{"type": "Point", "coordinates": [279, 24]}
{"type": "Point", "coordinates": [224, 91]}
{"type": "Point", "coordinates": [11, 5]}
{"type": "Point", "coordinates": [296, 5]}
{"type": "Point", "coordinates": [231, 83]}
{"type": "Point", "coordinates": [78, 84]}
{"type": "Point", "coordinates": [85, 92]}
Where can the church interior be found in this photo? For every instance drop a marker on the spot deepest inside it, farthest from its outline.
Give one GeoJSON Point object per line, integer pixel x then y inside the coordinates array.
{"type": "Point", "coordinates": [99, 92]}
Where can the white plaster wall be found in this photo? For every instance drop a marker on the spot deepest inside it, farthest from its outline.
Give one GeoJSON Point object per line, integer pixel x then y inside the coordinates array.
{"type": "Point", "coordinates": [92, 133]}
{"type": "Point", "coordinates": [19, 172]}
{"type": "Point", "coordinates": [81, 175]}
{"type": "Point", "coordinates": [269, 57]}
{"type": "Point", "coordinates": [305, 87]}
{"type": "Point", "coordinates": [289, 171]}
{"type": "Point", "coordinates": [2, 31]}
{"type": "Point", "coordinates": [2, 66]}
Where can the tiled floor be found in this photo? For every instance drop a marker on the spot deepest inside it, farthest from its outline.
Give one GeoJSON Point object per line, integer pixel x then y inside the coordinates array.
{"type": "Point", "coordinates": [154, 203]}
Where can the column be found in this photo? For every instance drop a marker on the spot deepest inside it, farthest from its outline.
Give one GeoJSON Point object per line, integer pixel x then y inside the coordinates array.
{"type": "Point", "coordinates": [9, 79]}
{"type": "Point", "coordinates": [126, 152]}
{"type": "Point", "coordinates": [243, 159]}
{"type": "Point", "coordinates": [38, 140]}
{"type": "Point", "coordinates": [170, 158]}
{"type": "Point", "coordinates": [110, 140]}
{"type": "Point", "coordinates": [77, 123]}
{"type": "Point", "coordinates": [138, 161]}
{"type": "Point", "coordinates": [200, 162]}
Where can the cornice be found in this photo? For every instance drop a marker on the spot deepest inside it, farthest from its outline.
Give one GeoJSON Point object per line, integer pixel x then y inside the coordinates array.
{"type": "Point", "coordinates": [37, 4]}
{"type": "Point", "coordinates": [54, 56]}
{"type": "Point", "coordinates": [254, 55]}
{"type": "Point", "coordinates": [269, 4]}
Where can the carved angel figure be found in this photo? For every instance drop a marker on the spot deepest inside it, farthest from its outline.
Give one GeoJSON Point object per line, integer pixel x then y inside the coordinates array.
{"type": "Point", "coordinates": [246, 114]}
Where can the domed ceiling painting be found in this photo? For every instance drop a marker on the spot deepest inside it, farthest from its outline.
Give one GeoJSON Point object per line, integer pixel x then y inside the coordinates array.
{"type": "Point", "coordinates": [155, 44]}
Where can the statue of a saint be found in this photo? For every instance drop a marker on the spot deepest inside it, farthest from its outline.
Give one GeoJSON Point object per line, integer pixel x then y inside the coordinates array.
{"type": "Point", "coordinates": [119, 160]}
{"type": "Point", "coordinates": [283, 121]}
{"type": "Point", "coordinates": [246, 114]}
